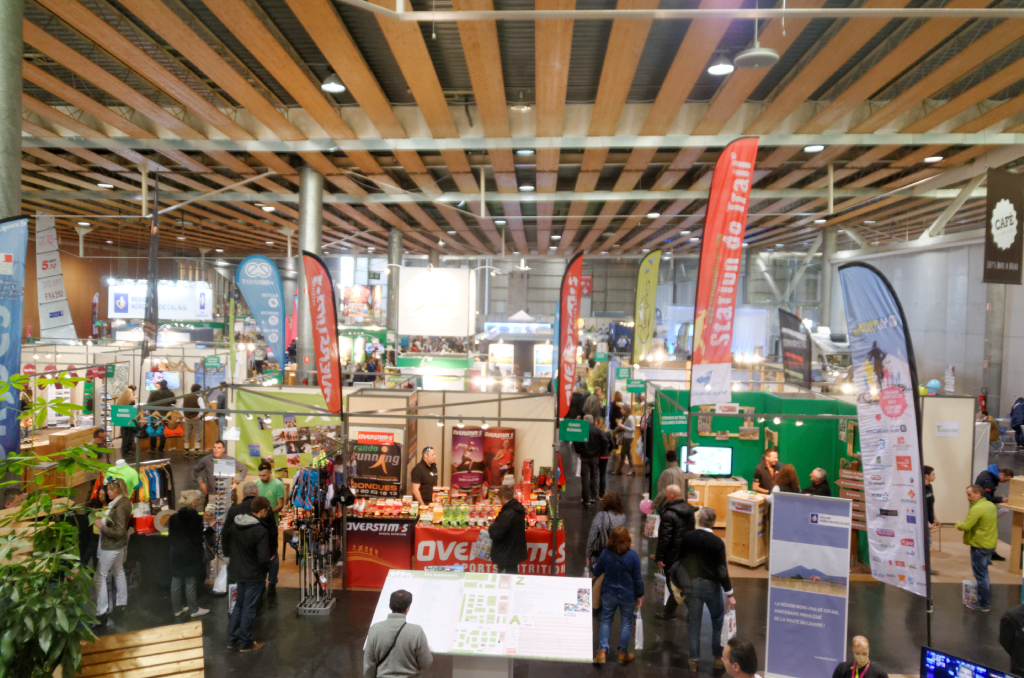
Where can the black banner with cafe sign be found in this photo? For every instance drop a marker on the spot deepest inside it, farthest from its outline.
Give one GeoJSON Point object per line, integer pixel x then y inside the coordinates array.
{"type": "Point", "coordinates": [1004, 244]}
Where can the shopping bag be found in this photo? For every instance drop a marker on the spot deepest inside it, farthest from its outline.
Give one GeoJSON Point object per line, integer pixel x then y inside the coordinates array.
{"type": "Point", "coordinates": [970, 592]}
{"type": "Point", "coordinates": [586, 571]}
{"type": "Point", "coordinates": [579, 465]}
{"type": "Point", "coordinates": [232, 597]}
{"type": "Point", "coordinates": [220, 584]}
{"type": "Point", "coordinates": [482, 546]}
{"type": "Point", "coordinates": [661, 588]}
{"type": "Point", "coordinates": [728, 627]}
{"type": "Point", "coordinates": [638, 638]}
{"type": "Point", "coordinates": [651, 525]}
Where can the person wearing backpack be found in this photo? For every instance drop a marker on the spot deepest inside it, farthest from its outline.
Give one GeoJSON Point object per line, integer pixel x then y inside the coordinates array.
{"type": "Point", "coordinates": [395, 648]}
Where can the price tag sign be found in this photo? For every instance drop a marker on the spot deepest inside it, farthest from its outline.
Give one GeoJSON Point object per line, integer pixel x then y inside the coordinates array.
{"type": "Point", "coordinates": [223, 468]}
{"type": "Point", "coordinates": [674, 423]}
{"type": "Point", "coordinates": [636, 386]}
{"type": "Point", "coordinates": [122, 415]}
{"type": "Point", "coordinates": [574, 430]}
{"type": "Point", "coordinates": [623, 372]}
{"type": "Point", "coordinates": [212, 362]}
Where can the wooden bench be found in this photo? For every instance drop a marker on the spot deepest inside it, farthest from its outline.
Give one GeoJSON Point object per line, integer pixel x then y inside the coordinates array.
{"type": "Point", "coordinates": [164, 651]}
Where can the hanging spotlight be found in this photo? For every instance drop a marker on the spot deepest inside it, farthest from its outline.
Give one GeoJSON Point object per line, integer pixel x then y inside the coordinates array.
{"type": "Point", "coordinates": [760, 420]}
{"type": "Point", "coordinates": [776, 421]}
{"type": "Point", "coordinates": [332, 83]}
{"type": "Point", "coordinates": [799, 422]}
{"type": "Point", "coordinates": [814, 148]}
{"type": "Point", "coordinates": [440, 422]}
{"type": "Point", "coordinates": [483, 424]}
{"type": "Point", "coordinates": [756, 56]}
{"type": "Point", "coordinates": [461, 423]}
{"type": "Point", "coordinates": [721, 66]}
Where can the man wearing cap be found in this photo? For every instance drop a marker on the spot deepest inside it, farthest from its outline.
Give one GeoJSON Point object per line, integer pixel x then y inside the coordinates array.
{"type": "Point", "coordinates": [424, 477]}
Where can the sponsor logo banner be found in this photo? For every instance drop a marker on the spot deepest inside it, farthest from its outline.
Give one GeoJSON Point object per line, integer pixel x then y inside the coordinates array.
{"type": "Point", "coordinates": [643, 311]}
{"type": "Point", "coordinates": [796, 349]}
{"type": "Point", "coordinates": [1004, 244]}
{"type": "Point", "coordinates": [565, 328]}
{"type": "Point", "coordinates": [323, 315]}
{"type": "Point", "coordinates": [14, 243]}
{"type": "Point", "coordinates": [374, 548]}
{"type": "Point", "coordinates": [259, 281]}
{"type": "Point", "coordinates": [446, 546]}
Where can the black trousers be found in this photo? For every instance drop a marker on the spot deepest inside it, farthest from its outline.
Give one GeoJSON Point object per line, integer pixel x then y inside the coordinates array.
{"type": "Point", "coordinates": [127, 439]}
{"type": "Point", "coordinates": [590, 475]}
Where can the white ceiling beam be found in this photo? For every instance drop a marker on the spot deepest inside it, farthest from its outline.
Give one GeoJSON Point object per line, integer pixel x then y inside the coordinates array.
{"type": "Point", "coordinates": [940, 223]}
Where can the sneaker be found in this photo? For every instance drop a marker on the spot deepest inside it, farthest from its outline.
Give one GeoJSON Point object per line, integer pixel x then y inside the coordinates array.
{"type": "Point", "coordinates": [232, 646]}
{"type": "Point", "coordinates": [997, 557]}
{"type": "Point", "coordinates": [693, 666]}
{"type": "Point", "coordinates": [272, 591]}
{"type": "Point", "coordinates": [978, 608]}
{"type": "Point", "coordinates": [200, 612]}
{"type": "Point", "coordinates": [181, 612]}
{"type": "Point", "coordinates": [258, 645]}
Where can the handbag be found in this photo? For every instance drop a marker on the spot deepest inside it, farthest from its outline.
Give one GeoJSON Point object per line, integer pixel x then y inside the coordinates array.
{"type": "Point", "coordinates": [596, 596]}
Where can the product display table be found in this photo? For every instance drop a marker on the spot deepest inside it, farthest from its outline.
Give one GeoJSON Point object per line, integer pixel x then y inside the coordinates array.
{"type": "Point", "coordinates": [745, 529]}
{"type": "Point", "coordinates": [714, 493]}
{"type": "Point", "coordinates": [486, 620]}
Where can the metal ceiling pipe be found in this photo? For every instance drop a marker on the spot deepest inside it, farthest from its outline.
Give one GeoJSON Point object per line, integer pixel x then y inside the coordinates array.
{"type": "Point", "coordinates": [311, 189]}
{"type": "Point", "coordinates": [394, 270]}
{"type": "Point", "coordinates": [675, 14]}
{"type": "Point", "coordinates": [10, 109]}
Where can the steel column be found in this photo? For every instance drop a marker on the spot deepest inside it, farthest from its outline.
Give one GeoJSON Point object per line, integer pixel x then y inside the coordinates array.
{"type": "Point", "coordinates": [830, 237]}
{"type": "Point", "coordinates": [311, 189]}
{"type": "Point", "coordinates": [992, 367]}
{"type": "Point", "coordinates": [395, 270]}
{"type": "Point", "coordinates": [10, 107]}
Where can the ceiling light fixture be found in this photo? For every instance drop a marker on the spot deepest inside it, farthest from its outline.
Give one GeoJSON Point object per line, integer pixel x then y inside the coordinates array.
{"type": "Point", "coordinates": [181, 237]}
{"type": "Point", "coordinates": [553, 247]}
{"type": "Point", "coordinates": [270, 242]}
{"type": "Point", "coordinates": [814, 148]}
{"type": "Point", "coordinates": [756, 56]}
{"type": "Point", "coordinates": [556, 237]}
{"type": "Point", "coordinates": [105, 185]}
{"type": "Point", "coordinates": [721, 66]}
{"type": "Point", "coordinates": [110, 242]}
{"type": "Point", "coordinates": [653, 215]}
{"type": "Point", "coordinates": [370, 249]}
{"type": "Point", "coordinates": [933, 158]}
{"type": "Point", "coordinates": [440, 243]}
{"type": "Point", "coordinates": [684, 233]}
{"type": "Point", "coordinates": [450, 232]}
{"type": "Point", "coordinates": [524, 151]}
{"type": "Point", "coordinates": [332, 83]}
{"type": "Point", "coordinates": [521, 106]}
{"type": "Point", "coordinates": [268, 208]}
{"type": "Point", "coordinates": [870, 222]}
{"type": "Point", "coordinates": [218, 250]}
{"type": "Point", "coordinates": [83, 223]}
{"type": "Point", "coordinates": [526, 187]}
{"type": "Point", "coordinates": [500, 222]}
{"type": "Point", "coordinates": [819, 221]}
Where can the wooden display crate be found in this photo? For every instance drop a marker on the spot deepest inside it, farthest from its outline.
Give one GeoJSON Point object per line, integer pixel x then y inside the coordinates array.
{"type": "Point", "coordinates": [1015, 495]}
{"type": "Point", "coordinates": [745, 532]}
{"type": "Point", "coordinates": [714, 493]}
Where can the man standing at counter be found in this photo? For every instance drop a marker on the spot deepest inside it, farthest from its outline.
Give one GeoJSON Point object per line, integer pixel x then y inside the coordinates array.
{"type": "Point", "coordinates": [424, 477]}
{"type": "Point", "coordinates": [764, 474]}
{"type": "Point", "coordinates": [508, 533]}
{"type": "Point", "coordinates": [202, 472]}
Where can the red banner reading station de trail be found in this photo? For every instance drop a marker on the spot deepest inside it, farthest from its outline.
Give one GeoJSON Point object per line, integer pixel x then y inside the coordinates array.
{"type": "Point", "coordinates": [568, 339]}
{"type": "Point", "coordinates": [720, 254]}
{"type": "Point", "coordinates": [320, 289]}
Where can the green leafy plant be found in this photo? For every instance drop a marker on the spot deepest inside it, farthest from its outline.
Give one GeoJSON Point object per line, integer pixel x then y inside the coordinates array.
{"type": "Point", "coordinates": [598, 377]}
{"type": "Point", "coordinates": [45, 607]}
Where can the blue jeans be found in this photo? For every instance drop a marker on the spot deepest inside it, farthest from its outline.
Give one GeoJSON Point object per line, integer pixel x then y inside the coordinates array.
{"type": "Point", "coordinates": [705, 593]}
{"type": "Point", "coordinates": [275, 565]}
{"type": "Point", "coordinates": [244, 613]}
{"type": "Point", "coordinates": [626, 606]}
{"type": "Point", "coordinates": [980, 559]}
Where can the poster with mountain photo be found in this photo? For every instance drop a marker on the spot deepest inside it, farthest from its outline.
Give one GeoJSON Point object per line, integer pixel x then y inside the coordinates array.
{"type": "Point", "coordinates": [809, 578]}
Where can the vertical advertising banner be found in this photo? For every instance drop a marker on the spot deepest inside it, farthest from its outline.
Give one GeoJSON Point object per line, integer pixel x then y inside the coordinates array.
{"type": "Point", "coordinates": [885, 378]}
{"type": "Point", "coordinates": [567, 332]}
{"type": "Point", "coordinates": [54, 313]}
{"type": "Point", "coordinates": [499, 454]}
{"type": "Point", "coordinates": [259, 281]}
{"type": "Point", "coordinates": [467, 457]}
{"type": "Point", "coordinates": [374, 548]}
{"type": "Point", "coordinates": [808, 588]}
{"type": "Point", "coordinates": [375, 462]}
{"type": "Point", "coordinates": [721, 250]}
{"type": "Point", "coordinates": [324, 316]}
{"type": "Point", "coordinates": [95, 314]}
{"type": "Point", "coordinates": [796, 349]}
{"type": "Point", "coordinates": [643, 310]}
{"type": "Point", "coordinates": [13, 246]}
{"type": "Point", "coordinates": [1004, 244]}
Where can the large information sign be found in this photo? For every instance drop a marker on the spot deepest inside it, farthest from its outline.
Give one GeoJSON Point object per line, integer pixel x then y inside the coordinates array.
{"type": "Point", "coordinates": [809, 572]}
{"type": "Point", "coordinates": [497, 615]}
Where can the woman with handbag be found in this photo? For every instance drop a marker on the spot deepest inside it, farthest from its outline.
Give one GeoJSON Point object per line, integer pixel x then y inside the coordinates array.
{"type": "Point", "coordinates": [185, 530]}
{"type": "Point", "coordinates": [611, 516]}
{"type": "Point", "coordinates": [622, 590]}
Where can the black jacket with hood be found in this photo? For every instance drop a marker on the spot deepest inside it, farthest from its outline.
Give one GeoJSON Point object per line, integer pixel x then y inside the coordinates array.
{"type": "Point", "coordinates": [270, 522]}
{"type": "Point", "coordinates": [508, 533]}
{"type": "Point", "coordinates": [245, 541]}
{"type": "Point", "coordinates": [677, 518]}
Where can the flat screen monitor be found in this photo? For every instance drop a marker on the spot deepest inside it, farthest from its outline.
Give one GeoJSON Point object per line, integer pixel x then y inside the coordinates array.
{"type": "Point", "coordinates": [153, 380]}
{"type": "Point", "coordinates": [710, 461]}
{"type": "Point", "coordinates": [935, 664]}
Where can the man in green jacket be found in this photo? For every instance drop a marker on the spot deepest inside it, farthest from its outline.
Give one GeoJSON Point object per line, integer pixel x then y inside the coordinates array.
{"type": "Point", "coordinates": [979, 528]}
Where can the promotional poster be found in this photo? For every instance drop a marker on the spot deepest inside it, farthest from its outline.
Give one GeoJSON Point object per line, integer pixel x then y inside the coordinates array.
{"type": "Point", "coordinates": [885, 378]}
{"type": "Point", "coordinates": [13, 246]}
{"type": "Point", "coordinates": [259, 281]}
{"type": "Point", "coordinates": [323, 314]}
{"type": "Point", "coordinates": [721, 249]}
{"type": "Point", "coordinates": [375, 462]}
{"type": "Point", "coordinates": [374, 547]}
{"type": "Point", "coordinates": [567, 317]}
{"type": "Point", "coordinates": [467, 457]}
{"type": "Point", "coordinates": [808, 590]}
{"type": "Point", "coordinates": [499, 454]}
{"type": "Point", "coordinates": [796, 349]}
{"type": "Point", "coordinates": [54, 313]}
{"type": "Point", "coordinates": [1004, 244]}
{"type": "Point", "coordinates": [643, 311]}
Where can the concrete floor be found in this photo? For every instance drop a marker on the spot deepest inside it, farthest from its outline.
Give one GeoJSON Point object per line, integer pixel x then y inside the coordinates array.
{"type": "Point", "coordinates": [893, 620]}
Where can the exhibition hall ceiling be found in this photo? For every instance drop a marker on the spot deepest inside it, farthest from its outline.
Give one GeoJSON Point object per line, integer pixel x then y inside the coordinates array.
{"type": "Point", "coordinates": [595, 131]}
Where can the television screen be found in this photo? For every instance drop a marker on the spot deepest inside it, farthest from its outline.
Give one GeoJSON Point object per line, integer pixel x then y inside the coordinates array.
{"type": "Point", "coordinates": [711, 461]}
{"type": "Point", "coordinates": [153, 380]}
{"type": "Point", "coordinates": [935, 664]}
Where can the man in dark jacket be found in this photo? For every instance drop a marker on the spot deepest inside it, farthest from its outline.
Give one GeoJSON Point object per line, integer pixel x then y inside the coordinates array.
{"type": "Point", "coordinates": [508, 533]}
{"type": "Point", "coordinates": [1011, 637]}
{"type": "Point", "coordinates": [703, 555]}
{"type": "Point", "coordinates": [819, 486]}
{"type": "Point", "coordinates": [1017, 420]}
{"type": "Point", "coordinates": [677, 518]}
{"type": "Point", "coordinates": [590, 461]}
{"type": "Point", "coordinates": [248, 550]}
{"type": "Point", "coordinates": [249, 491]}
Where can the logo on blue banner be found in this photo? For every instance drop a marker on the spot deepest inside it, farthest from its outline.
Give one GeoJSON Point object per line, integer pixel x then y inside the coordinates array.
{"type": "Point", "coordinates": [260, 284]}
{"type": "Point", "coordinates": [13, 243]}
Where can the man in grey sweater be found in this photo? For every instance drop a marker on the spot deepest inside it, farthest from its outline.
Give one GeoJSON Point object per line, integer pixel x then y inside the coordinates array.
{"type": "Point", "coordinates": [395, 648]}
